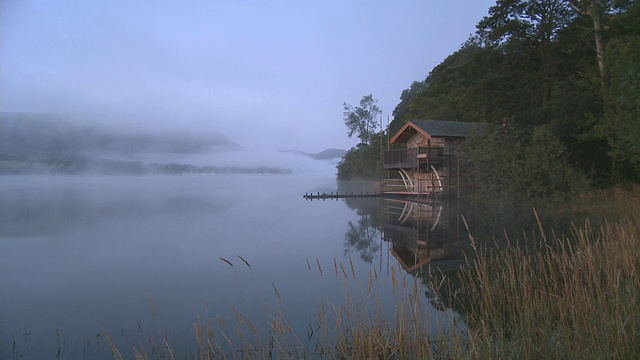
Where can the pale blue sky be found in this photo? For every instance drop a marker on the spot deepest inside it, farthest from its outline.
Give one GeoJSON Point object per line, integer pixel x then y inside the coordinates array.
{"type": "Point", "coordinates": [271, 73]}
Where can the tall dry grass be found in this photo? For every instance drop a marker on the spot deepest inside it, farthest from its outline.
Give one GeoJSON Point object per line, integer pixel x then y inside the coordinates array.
{"type": "Point", "coordinates": [572, 297]}
{"type": "Point", "coordinates": [361, 323]}
{"type": "Point", "coordinates": [364, 333]}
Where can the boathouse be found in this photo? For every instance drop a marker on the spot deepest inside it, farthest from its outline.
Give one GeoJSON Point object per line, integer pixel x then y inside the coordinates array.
{"type": "Point", "coordinates": [424, 158]}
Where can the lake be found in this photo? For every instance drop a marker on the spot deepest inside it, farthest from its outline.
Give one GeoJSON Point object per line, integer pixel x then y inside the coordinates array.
{"type": "Point", "coordinates": [146, 257]}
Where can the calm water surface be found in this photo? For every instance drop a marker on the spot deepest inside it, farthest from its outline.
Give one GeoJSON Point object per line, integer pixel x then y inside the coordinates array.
{"type": "Point", "coordinates": [83, 255]}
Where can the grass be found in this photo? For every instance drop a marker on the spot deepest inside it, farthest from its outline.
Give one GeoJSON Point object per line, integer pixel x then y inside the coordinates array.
{"type": "Point", "coordinates": [574, 296]}
{"type": "Point", "coordinates": [356, 326]}
{"type": "Point", "coordinates": [545, 296]}
{"type": "Point", "coordinates": [561, 298]}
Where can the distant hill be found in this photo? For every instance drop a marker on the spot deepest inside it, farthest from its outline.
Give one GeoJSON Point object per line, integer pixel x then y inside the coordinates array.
{"type": "Point", "coordinates": [48, 144]}
{"type": "Point", "coordinates": [323, 155]}
{"type": "Point", "coordinates": [46, 135]}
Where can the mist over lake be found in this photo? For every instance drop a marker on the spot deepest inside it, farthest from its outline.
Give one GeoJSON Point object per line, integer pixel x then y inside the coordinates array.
{"type": "Point", "coordinates": [49, 144]}
{"type": "Point", "coordinates": [81, 255]}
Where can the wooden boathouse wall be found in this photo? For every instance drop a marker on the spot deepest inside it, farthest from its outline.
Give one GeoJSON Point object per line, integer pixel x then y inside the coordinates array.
{"type": "Point", "coordinates": [429, 162]}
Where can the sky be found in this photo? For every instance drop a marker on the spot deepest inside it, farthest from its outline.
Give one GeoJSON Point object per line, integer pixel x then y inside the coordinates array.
{"type": "Point", "coordinates": [268, 74]}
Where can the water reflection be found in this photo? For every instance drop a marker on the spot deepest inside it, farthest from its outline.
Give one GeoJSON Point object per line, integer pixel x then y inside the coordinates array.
{"type": "Point", "coordinates": [65, 206]}
{"type": "Point", "coordinates": [426, 238]}
{"type": "Point", "coordinates": [364, 236]}
{"type": "Point", "coordinates": [429, 239]}
{"type": "Point", "coordinates": [82, 254]}
{"type": "Point", "coordinates": [417, 234]}
{"type": "Point", "coordinates": [422, 234]}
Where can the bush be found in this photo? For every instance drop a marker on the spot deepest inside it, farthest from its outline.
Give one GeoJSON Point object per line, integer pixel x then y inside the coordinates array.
{"type": "Point", "coordinates": [518, 164]}
{"type": "Point", "coordinates": [362, 162]}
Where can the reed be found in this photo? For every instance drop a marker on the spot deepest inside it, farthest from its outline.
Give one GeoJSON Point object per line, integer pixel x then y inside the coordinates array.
{"type": "Point", "coordinates": [357, 325]}
{"type": "Point", "coordinates": [561, 297]}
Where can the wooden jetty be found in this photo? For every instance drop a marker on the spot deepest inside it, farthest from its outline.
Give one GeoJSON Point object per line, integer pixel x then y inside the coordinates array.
{"type": "Point", "coordinates": [331, 196]}
{"type": "Point", "coordinates": [384, 194]}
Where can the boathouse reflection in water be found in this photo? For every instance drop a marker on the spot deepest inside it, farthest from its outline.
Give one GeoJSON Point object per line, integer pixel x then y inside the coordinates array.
{"type": "Point", "coordinates": [421, 234]}
{"type": "Point", "coordinates": [417, 233]}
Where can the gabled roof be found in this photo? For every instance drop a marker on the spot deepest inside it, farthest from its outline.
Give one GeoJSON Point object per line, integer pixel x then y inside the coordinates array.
{"type": "Point", "coordinates": [437, 128]}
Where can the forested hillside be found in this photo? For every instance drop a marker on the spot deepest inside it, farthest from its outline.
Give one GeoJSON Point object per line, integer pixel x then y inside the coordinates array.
{"type": "Point", "coordinates": [30, 134]}
{"type": "Point", "coordinates": [564, 71]}
{"type": "Point", "coordinates": [49, 144]}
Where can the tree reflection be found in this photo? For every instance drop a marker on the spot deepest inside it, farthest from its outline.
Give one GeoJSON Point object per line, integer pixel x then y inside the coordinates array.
{"type": "Point", "coordinates": [362, 238]}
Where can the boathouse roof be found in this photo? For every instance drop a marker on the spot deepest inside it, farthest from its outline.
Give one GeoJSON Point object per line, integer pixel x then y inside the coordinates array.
{"type": "Point", "coordinates": [437, 128]}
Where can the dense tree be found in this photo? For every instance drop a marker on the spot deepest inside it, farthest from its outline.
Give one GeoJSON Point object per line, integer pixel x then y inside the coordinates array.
{"type": "Point", "coordinates": [463, 87]}
{"type": "Point", "coordinates": [361, 120]}
{"type": "Point", "coordinates": [526, 29]}
{"type": "Point", "coordinates": [535, 22]}
{"type": "Point", "coordinates": [598, 10]}
{"type": "Point", "coordinates": [362, 162]}
{"type": "Point", "coordinates": [517, 164]}
{"type": "Point", "coordinates": [402, 110]}
{"type": "Point", "coordinates": [620, 124]}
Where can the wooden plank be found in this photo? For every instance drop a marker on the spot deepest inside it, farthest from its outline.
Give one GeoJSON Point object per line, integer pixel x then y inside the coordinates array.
{"type": "Point", "coordinates": [325, 196]}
